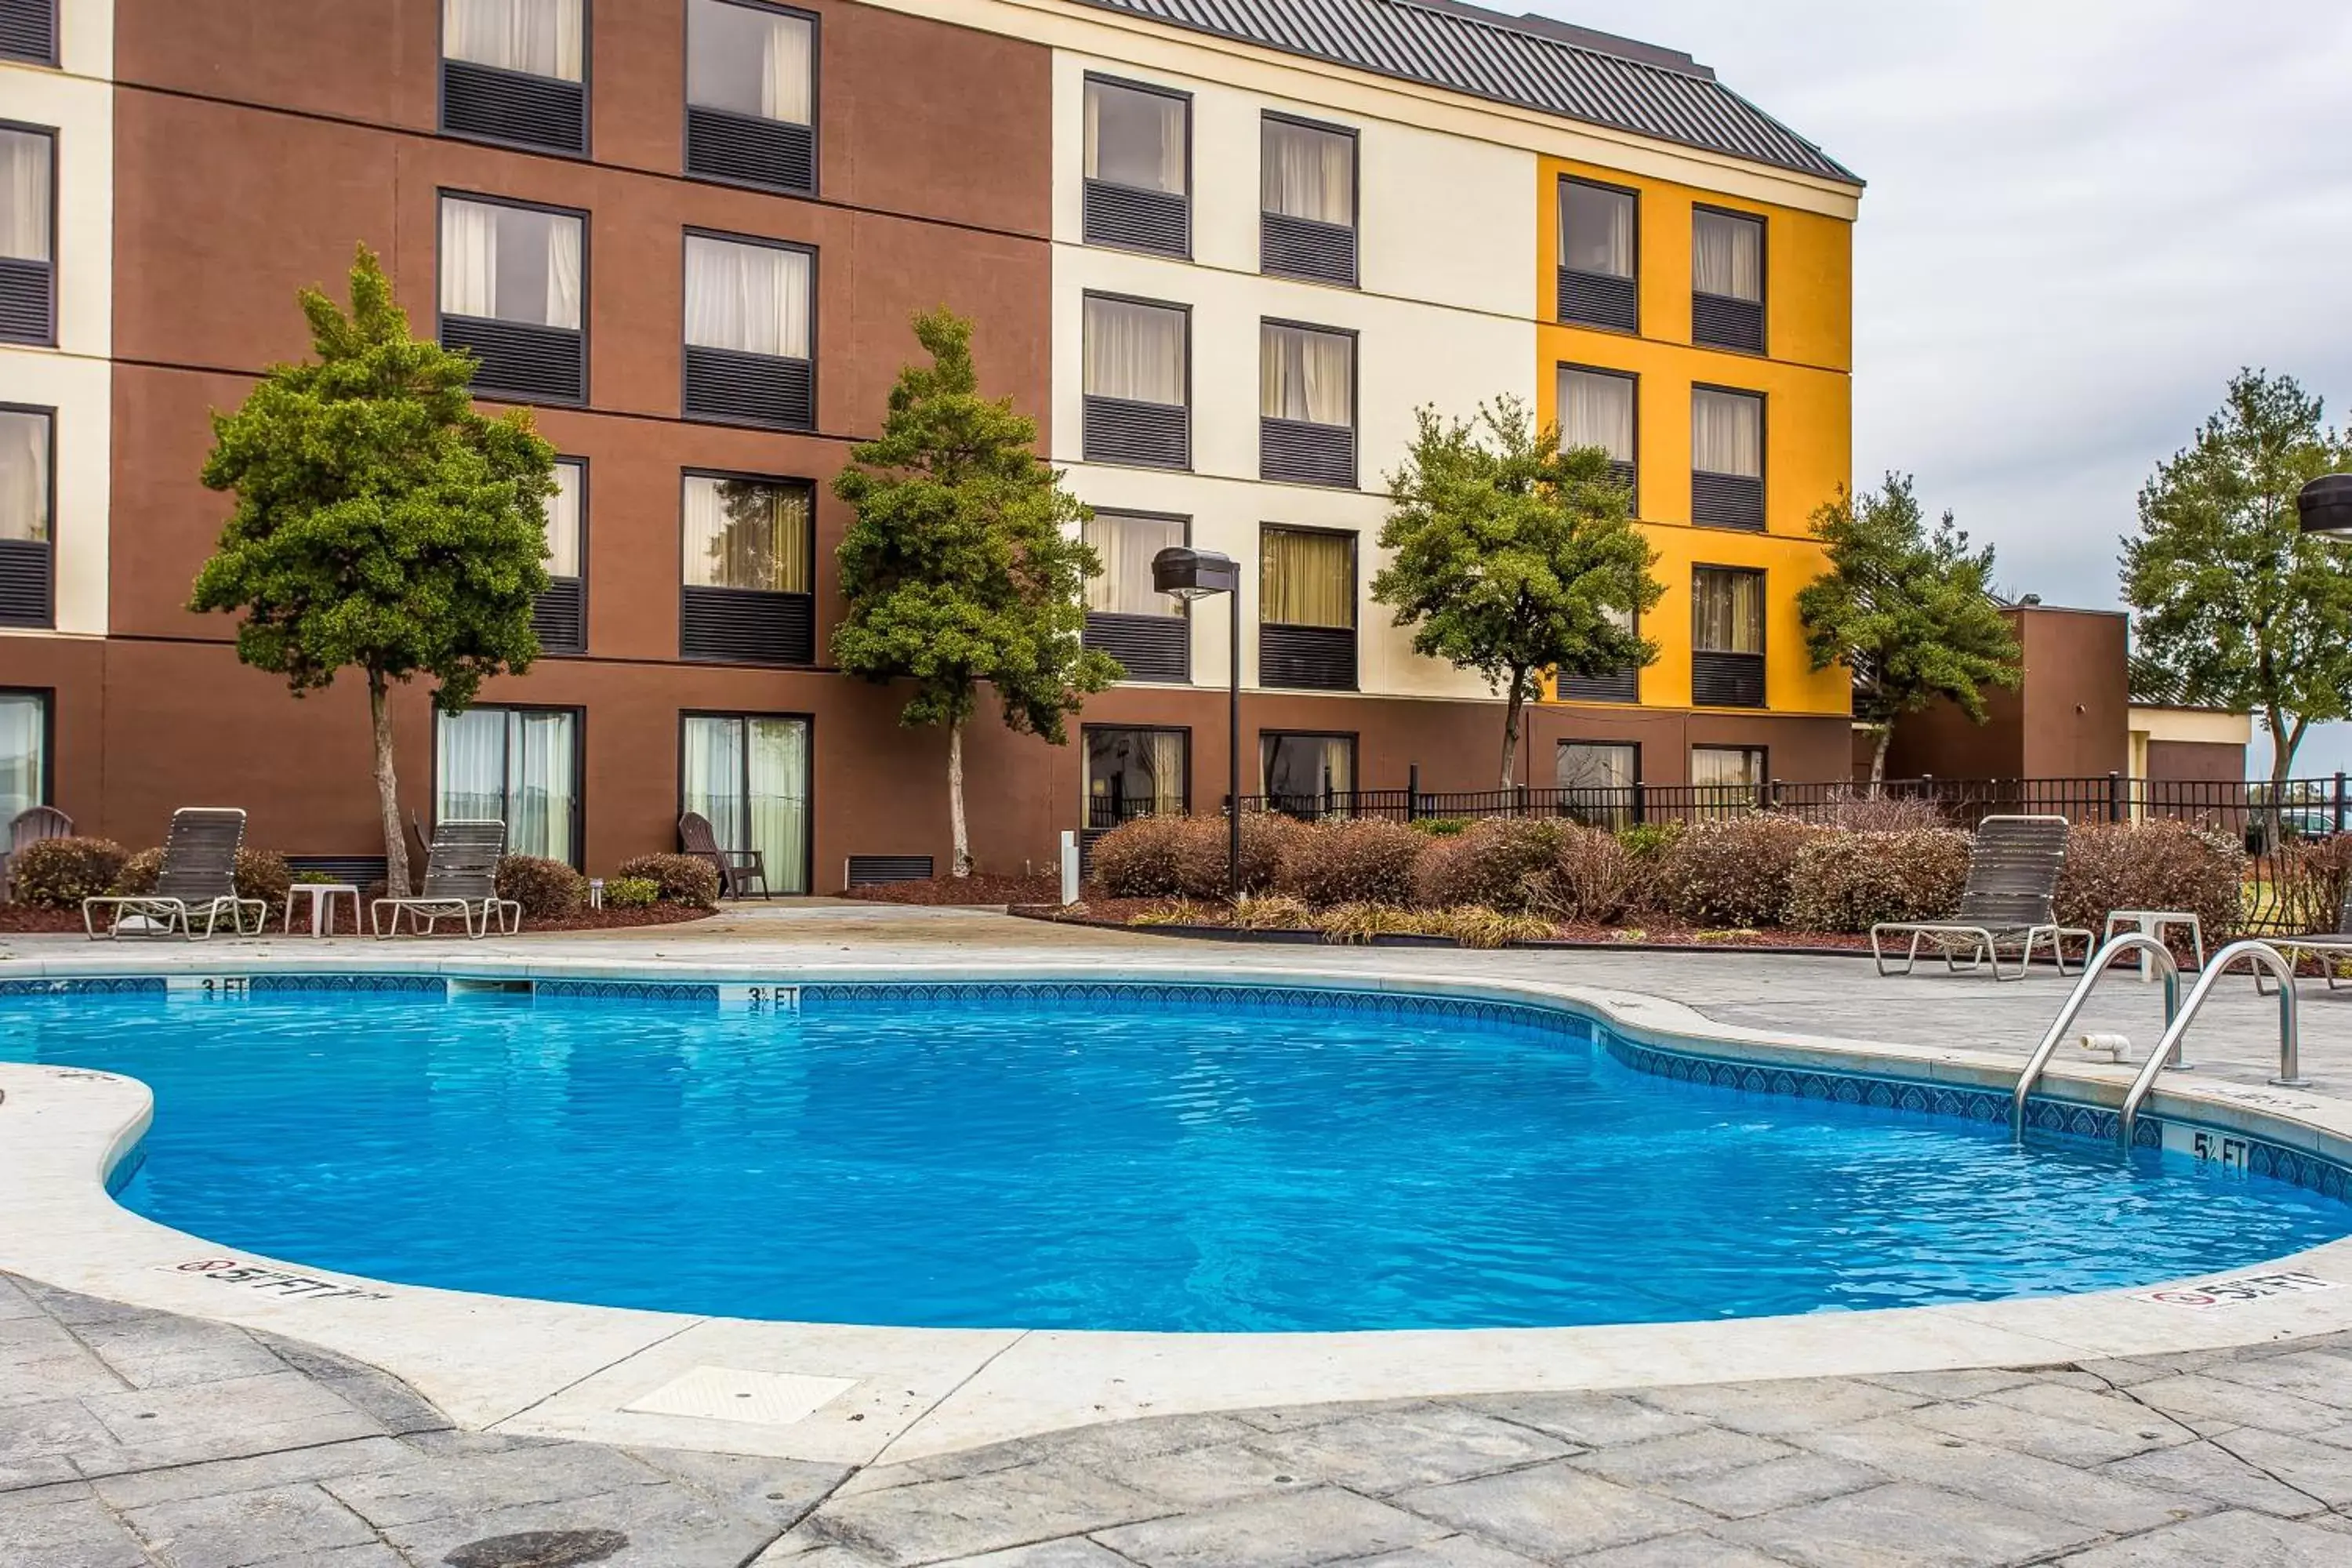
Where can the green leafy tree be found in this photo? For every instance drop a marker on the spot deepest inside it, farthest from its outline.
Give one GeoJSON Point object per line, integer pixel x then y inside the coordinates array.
{"type": "Point", "coordinates": [381, 523]}
{"type": "Point", "coordinates": [964, 565]}
{"type": "Point", "coordinates": [2234, 606]}
{"type": "Point", "coordinates": [1907, 608]}
{"type": "Point", "coordinates": [1513, 558]}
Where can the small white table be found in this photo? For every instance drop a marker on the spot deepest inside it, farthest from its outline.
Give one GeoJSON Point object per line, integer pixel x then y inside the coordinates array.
{"type": "Point", "coordinates": [2151, 923]}
{"type": "Point", "coordinates": [322, 906]}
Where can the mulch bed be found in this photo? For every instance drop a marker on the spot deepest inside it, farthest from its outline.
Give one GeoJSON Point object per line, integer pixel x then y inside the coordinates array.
{"type": "Point", "coordinates": [976, 889]}
{"type": "Point", "coordinates": [25, 918]}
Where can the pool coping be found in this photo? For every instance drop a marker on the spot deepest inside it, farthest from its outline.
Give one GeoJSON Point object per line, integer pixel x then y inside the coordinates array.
{"type": "Point", "coordinates": [565, 1369]}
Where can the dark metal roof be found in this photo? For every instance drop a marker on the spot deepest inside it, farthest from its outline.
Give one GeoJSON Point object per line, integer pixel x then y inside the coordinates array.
{"type": "Point", "coordinates": [1531, 61]}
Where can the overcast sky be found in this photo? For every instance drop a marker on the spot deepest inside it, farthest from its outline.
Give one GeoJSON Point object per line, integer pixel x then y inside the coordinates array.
{"type": "Point", "coordinates": [2082, 216]}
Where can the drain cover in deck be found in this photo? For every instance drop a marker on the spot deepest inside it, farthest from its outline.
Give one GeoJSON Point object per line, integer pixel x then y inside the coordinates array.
{"type": "Point", "coordinates": [728, 1393]}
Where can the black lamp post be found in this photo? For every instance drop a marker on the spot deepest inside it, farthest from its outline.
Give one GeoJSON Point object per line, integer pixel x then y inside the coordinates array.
{"type": "Point", "coordinates": [2325, 504]}
{"type": "Point", "coordinates": [1191, 574]}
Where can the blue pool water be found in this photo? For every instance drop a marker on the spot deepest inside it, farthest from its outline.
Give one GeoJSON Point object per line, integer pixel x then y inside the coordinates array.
{"type": "Point", "coordinates": [1113, 1165]}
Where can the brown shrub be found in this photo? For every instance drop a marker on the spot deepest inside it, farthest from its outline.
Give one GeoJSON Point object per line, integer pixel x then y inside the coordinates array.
{"type": "Point", "coordinates": [1737, 871]}
{"type": "Point", "coordinates": [59, 873]}
{"type": "Point", "coordinates": [139, 872]}
{"type": "Point", "coordinates": [1138, 860]}
{"type": "Point", "coordinates": [1850, 881]}
{"type": "Point", "coordinates": [1860, 812]}
{"type": "Point", "coordinates": [547, 890]}
{"type": "Point", "coordinates": [682, 878]}
{"type": "Point", "coordinates": [262, 874]}
{"type": "Point", "coordinates": [2155, 865]}
{"type": "Point", "coordinates": [1502, 863]}
{"type": "Point", "coordinates": [1185, 856]}
{"type": "Point", "coordinates": [1593, 878]}
{"type": "Point", "coordinates": [1366, 861]}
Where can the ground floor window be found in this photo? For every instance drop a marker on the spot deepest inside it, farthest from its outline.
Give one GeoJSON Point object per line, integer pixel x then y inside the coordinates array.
{"type": "Point", "coordinates": [520, 765]}
{"type": "Point", "coordinates": [1308, 775]}
{"type": "Point", "coordinates": [749, 774]}
{"type": "Point", "coordinates": [1136, 773]}
{"type": "Point", "coordinates": [1728, 778]}
{"type": "Point", "coordinates": [1596, 780]}
{"type": "Point", "coordinates": [23, 753]}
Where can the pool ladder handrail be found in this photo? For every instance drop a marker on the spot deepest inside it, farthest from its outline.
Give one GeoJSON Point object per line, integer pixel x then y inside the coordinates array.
{"type": "Point", "coordinates": [2093, 968]}
{"type": "Point", "coordinates": [2264, 956]}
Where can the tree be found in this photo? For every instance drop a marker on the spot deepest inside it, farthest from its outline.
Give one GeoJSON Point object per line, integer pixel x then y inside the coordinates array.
{"type": "Point", "coordinates": [2234, 606]}
{"type": "Point", "coordinates": [964, 565]}
{"type": "Point", "coordinates": [1513, 558]}
{"type": "Point", "coordinates": [1909, 609]}
{"type": "Point", "coordinates": [381, 523]}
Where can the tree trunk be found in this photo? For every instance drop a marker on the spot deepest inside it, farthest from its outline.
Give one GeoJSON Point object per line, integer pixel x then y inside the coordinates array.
{"type": "Point", "coordinates": [1511, 710]}
{"type": "Point", "coordinates": [963, 858]}
{"type": "Point", "coordinates": [387, 788]}
{"type": "Point", "coordinates": [1882, 738]}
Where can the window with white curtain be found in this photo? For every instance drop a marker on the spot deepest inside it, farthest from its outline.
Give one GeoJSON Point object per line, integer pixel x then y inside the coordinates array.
{"type": "Point", "coordinates": [747, 776]}
{"type": "Point", "coordinates": [536, 38]}
{"type": "Point", "coordinates": [1135, 350]}
{"type": "Point", "coordinates": [24, 438]}
{"type": "Point", "coordinates": [1727, 767]}
{"type": "Point", "coordinates": [746, 533]}
{"type": "Point", "coordinates": [1136, 137]}
{"type": "Point", "coordinates": [23, 753]}
{"type": "Point", "coordinates": [749, 59]}
{"type": "Point", "coordinates": [1727, 255]}
{"type": "Point", "coordinates": [1596, 409]}
{"type": "Point", "coordinates": [1135, 772]}
{"type": "Point", "coordinates": [1727, 433]}
{"type": "Point", "coordinates": [517, 765]}
{"type": "Point", "coordinates": [513, 264]}
{"type": "Point", "coordinates": [1307, 577]}
{"type": "Point", "coordinates": [1596, 229]}
{"type": "Point", "coordinates": [1597, 765]}
{"type": "Point", "coordinates": [1727, 610]}
{"type": "Point", "coordinates": [1306, 374]}
{"type": "Point", "coordinates": [752, 298]}
{"type": "Point", "coordinates": [1307, 171]}
{"type": "Point", "coordinates": [27, 164]}
{"type": "Point", "coordinates": [1126, 542]}
{"type": "Point", "coordinates": [564, 511]}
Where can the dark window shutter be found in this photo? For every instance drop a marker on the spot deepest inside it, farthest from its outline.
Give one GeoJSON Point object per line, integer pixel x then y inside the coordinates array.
{"type": "Point", "coordinates": [1616, 686]}
{"type": "Point", "coordinates": [28, 311]}
{"type": "Point", "coordinates": [1598, 299]}
{"type": "Point", "coordinates": [559, 616]}
{"type": "Point", "coordinates": [513, 107]}
{"type": "Point", "coordinates": [536, 365]}
{"type": "Point", "coordinates": [1307, 454]}
{"type": "Point", "coordinates": [1727, 679]}
{"type": "Point", "coordinates": [28, 30]}
{"type": "Point", "coordinates": [1153, 435]}
{"type": "Point", "coordinates": [24, 569]}
{"type": "Point", "coordinates": [749, 389]}
{"type": "Point", "coordinates": [1314, 658]}
{"type": "Point", "coordinates": [1724, 323]}
{"type": "Point", "coordinates": [1625, 475]}
{"type": "Point", "coordinates": [746, 626]}
{"type": "Point", "coordinates": [1131, 219]}
{"type": "Point", "coordinates": [751, 151]}
{"type": "Point", "coordinates": [1726, 501]}
{"type": "Point", "coordinates": [1304, 248]}
{"type": "Point", "coordinates": [1151, 648]}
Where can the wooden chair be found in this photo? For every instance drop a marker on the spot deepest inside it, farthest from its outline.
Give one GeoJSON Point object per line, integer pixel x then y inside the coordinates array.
{"type": "Point", "coordinates": [30, 826]}
{"type": "Point", "coordinates": [735, 868]}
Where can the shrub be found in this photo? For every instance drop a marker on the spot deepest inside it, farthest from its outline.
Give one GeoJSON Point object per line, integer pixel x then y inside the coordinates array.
{"type": "Point", "coordinates": [1593, 878]}
{"type": "Point", "coordinates": [1859, 812]}
{"type": "Point", "coordinates": [1441, 826]}
{"type": "Point", "coordinates": [2315, 877]}
{"type": "Point", "coordinates": [1175, 912]}
{"type": "Point", "coordinates": [1475, 925]}
{"type": "Point", "coordinates": [680, 879]}
{"type": "Point", "coordinates": [1272, 911]}
{"type": "Point", "coordinates": [139, 872]}
{"type": "Point", "coordinates": [1367, 861]}
{"type": "Point", "coordinates": [632, 893]}
{"type": "Point", "coordinates": [59, 873]}
{"type": "Point", "coordinates": [1502, 863]}
{"type": "Point", "coordinates": [1850, 881]}
{"type": "Point", "coordinates": [1646, 844]}
{"type": "Point", "coordinates": [2155, 865]}
{"type": "Point", "coordinates": [547, 890]}
{"type": "Point", "coordinates": [1202, 849]}
{"type": "Point", "coordinates": [313, 878]}
{"type": "Point", "coordinates": [1362, 923]}
{"type": "Point", "coordinates": [1138, 860]}
{"type": "Point", "coordinates": [1735, 872]}
{"type": "Point", "coordinates": [262, 874]}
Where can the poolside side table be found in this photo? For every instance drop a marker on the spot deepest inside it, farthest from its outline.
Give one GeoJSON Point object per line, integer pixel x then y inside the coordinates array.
{"type": "Point", "coordinates": [322, 906]}
{"type": "Point", "coordinates": [2151, 923]}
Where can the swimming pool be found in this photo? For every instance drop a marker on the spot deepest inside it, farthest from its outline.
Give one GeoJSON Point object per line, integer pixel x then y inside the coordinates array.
{"type": "Point", "coordinates": [1091, 1157]}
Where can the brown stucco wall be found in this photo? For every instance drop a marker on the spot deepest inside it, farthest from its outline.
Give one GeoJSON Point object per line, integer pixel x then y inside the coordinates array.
{"type": "Point", "coordinates": [2196, 761]}
{"type": "Point", "coordinates": [2068, 719]}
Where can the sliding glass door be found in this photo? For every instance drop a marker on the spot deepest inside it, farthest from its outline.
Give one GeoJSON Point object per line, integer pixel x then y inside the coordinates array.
{"type": "Point", "coordinates": [748, 775]}
{"type": "Point", "coordinates": [517, 765]}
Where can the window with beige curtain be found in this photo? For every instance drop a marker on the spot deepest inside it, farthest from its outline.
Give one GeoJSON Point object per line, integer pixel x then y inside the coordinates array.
{"type": "Point", "coordinates": [1727, 255]}
{"type": "Point", "coordinates": [746, 533]}
{"type": "Point", "coordinates": [23, 476]}
{"type": "Point", "coordinates": [1306, 374]}
{"type": "Point", "coordinates": [25, 162]}
{"type": "Point", "coordinates": [563, 510]}
{"type": "Point", "coordinates": [750, 61]}
{"type": "Point", "coordinates": [1134, 352]}
{"type": "Point", "coordinates": [1596, 229]}
{"type": "Point", "coordinates": [510, 264]}
{"type": "Point", "coordinates": [748, 776]}
{"type": "Point", "coordinates": [1305, 171]}
{"type": "Point", "coordinates": [1307, 579]}
{"type": "Point", "coordinates": [752, 299]}
{"type": "Point", "coordinates": [1596, 409]}
{"type": "Point", "coordinates": [1135, 772]}
{"type": "Point", "coordinates": [1723, 767]}
{"type": "Point", "coordinates": [1727, 610]}
{"type": "Point", "coordinates": [1134, 137]}
{"type": "Point", "coordinates": [536, 38]}
{"type": "Point", "coordinates": [1727, 433]}
{"type": "Point", "coordinates": [1296, 768]}
{"type": "Point", "coordinates": [1127, 542]}
{"type": "Point", "coordinates": [24, 751]}
{"type": "Point", "coordinates": [514, 765]}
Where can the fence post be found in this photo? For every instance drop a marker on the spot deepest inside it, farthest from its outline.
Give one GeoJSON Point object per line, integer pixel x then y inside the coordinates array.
{"type": "Point", "coordinates": [2339, 801]}
{"type": "Point", "coordinates": [2115, 797]}
{"type": "Point", "coordinates": [1775, 796]}
{"type": "Point", "coordinates": [1412, 793]}
{"type": "Point", "coordinates": [1519, 800]}
{"type": "Point", "coordinates": [1641, 801]}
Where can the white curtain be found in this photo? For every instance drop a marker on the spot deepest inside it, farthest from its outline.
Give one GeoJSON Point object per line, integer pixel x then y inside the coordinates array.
{"type": "Point", "coordinates": [1135, 138]}
{"type": "Point", "coordinates": [23, 476]}
{"type": "Point", "coordinates": [540, 785]}
{"type": "Point", "coordinates": [1134, 352]}
{"type": "Point", "coordinates": [741, 533]}
{"type": "Point", "coordinates": [1727, 255]}
{"type": "Point", "coordinates": [1597, 410]}
{"type": "Point", "coordinates": [711, 782]}
{"type": "Point", "coordinates": [563, 271]}
{"type": "Point", "coordinates": [469, 259]}
{"type": "Point", "coordinates": [1726, 766]}
{"type": "Point", "coordinates": [1309, 174]}
{"type": "Point", "coordinates": [540, 37]}
{"type": "Point", "coordinates": [1126, 545]}
{"type": "Point", "coordinates": [1727, 433]}
{"type": "Point", "coordinates": [1596, 229]}
{"type": "Point", "coordinates": [750, 62]}
{"type": "Point", "coordinates": [25, 195]}
{"type": "Point", "coordinates": [1307, 376]}
{"type": "Point", "coordinates": [24, 730]}
{"type": "Point", "coordinates": [778, 756]}
{"type": "Point", "coordinates": [752, 299]}
{"type": "Point", "coordinates": [564, 520]}
{"type": "Point", "coordinates": [1727, 610]}
{"type": "Point", "coordinates": [471, 771]}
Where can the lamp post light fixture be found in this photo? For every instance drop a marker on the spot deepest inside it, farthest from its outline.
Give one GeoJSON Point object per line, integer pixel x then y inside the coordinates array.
{"type": "Point", "coordinates": [1189, 574]}
{"type": "Point", "coordinates": [2325, 504]}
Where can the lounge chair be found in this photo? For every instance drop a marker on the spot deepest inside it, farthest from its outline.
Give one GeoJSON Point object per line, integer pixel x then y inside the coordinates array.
{"type": "Point", "coordinates": [735, 867]}
{"type": "Point", "coordinates": [2012, 885]}
{"type": "Point", "coordinates": [198, 880]}
{"type": "Point", "coordinates": [2327, 947]}
{"type": "Point", "coordinates": [461, 883]}
{"type": "Point", "coordinates": [30, 826]}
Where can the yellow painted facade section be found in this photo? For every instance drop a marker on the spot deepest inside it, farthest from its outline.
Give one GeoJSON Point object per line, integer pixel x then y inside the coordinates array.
{"type": "Point", "coordinates": [1806, 382]}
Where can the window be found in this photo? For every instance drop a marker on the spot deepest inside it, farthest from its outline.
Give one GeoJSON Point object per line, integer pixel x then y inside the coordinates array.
{"type": "Point", "coordinates": [1597, 256]}
{"type": "Point", "coordinates": [515, 72]}
{"type": "Point", "coordinates": [561, 616]}
{"type": "Point", "coordinates": [1308, 775]}
{"type": "Point", "coordinates": [1727, 781]}
{"type": "Point", "coordinates": [1136, 773]}
{"type": "Point", "coordinates": [1596, 781]}
{"type": "Point", "coordinates": [27, 217]}
{"type": "Point", "coordinates": [1307, 609]}
{"type": "Point", "coordinates": [1139, 154]}
{"type": "Point", "coordinates": [748, 556]}
{"type": "Point", "coordinates": [747, 776]}
{"type": "Point", "coordinates": [23, 753]}
{"type": "Point", "coordinates": [1137, 382]}
{"type": "Point", "coordinates": [1307, 197]}
{"type": "Point", "coordinates": [1726, 279]}
{"type": "Point", "coordinates": [1596, 409]}
{"type": "Point", "coordinates": [750, 94]}
{"type": "Point", "coordinates": [1307, 405]}
{"type": "Point", "coordinates": [28, 503]}
{"type": "Point", "coordinates": [511, 290]}
{"type": "Point", "coordinates": [1726, 637]}
{"type": "Point", "coordinates": [517, 765]}
{"type": "Point", "coordinates": [28, 31]}
{"type": "Point", "coordinates": [1609, 686]}
{"type": "Point", "coordinates": [1726, 458]}
{"type": "Point", "coordinates": [749, 330]}
{"type": "Point", "coordinates": [1145, 630]}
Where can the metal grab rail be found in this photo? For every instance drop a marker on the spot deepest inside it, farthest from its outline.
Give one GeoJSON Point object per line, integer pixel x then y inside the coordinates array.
{"type": "Point", "coordinates": [2093, 968]}
{"type": "Point", "coordinates": [2264, 956]}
